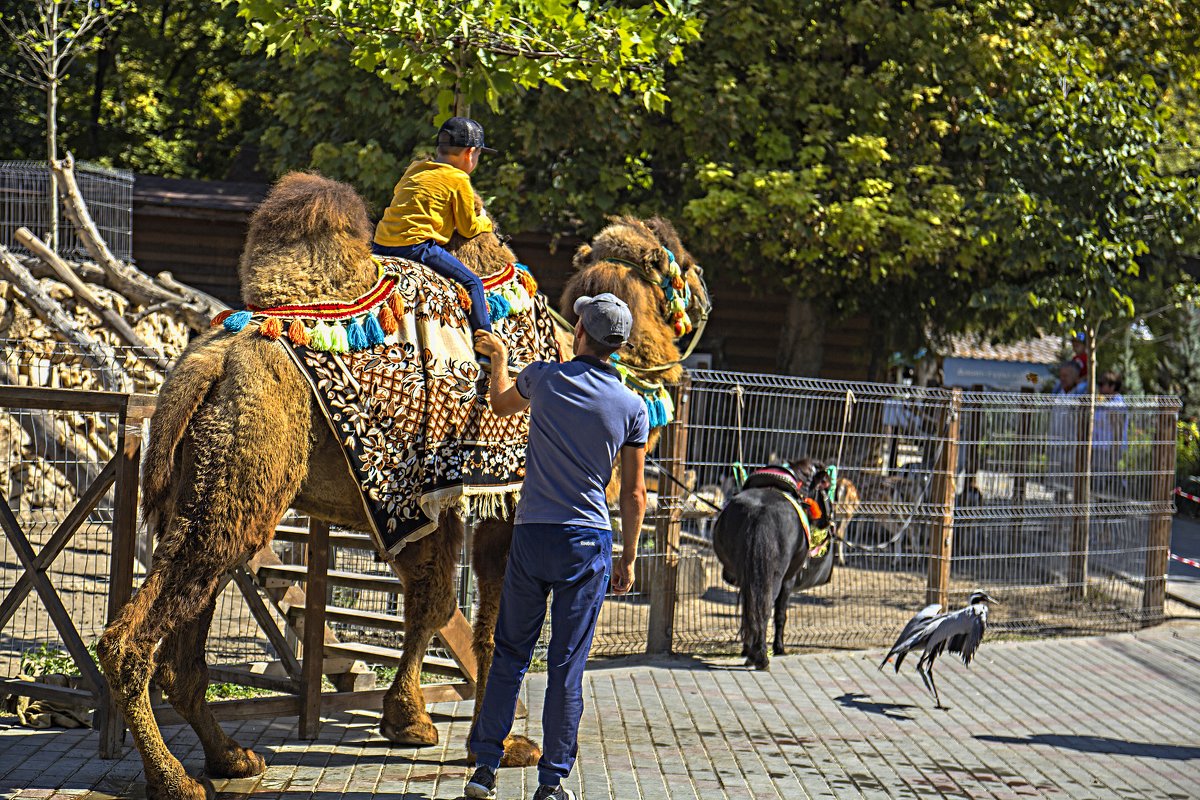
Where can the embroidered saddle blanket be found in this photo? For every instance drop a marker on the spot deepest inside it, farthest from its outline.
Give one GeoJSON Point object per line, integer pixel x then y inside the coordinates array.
{"type": "Point", "coordinates": [395, 375]}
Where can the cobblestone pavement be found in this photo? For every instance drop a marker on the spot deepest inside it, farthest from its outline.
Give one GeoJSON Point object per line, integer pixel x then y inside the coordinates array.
{"type": "Point", "coordinates": [1105, 717]}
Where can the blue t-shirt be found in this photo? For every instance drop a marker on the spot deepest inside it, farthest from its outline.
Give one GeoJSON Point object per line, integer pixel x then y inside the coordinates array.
{"type": "Point", "coordinates": [580, 416]}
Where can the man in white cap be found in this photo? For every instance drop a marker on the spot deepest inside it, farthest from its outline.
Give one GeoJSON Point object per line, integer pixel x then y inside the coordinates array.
{"type": "Point", "coordinates": [581, 418]}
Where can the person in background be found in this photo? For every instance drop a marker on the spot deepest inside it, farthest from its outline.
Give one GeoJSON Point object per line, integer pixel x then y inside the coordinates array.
{"type": "Point", "coordinates": [1111, 437]}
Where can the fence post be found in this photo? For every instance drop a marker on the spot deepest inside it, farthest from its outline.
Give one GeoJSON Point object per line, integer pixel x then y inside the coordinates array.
{"type": "Point", "coordinates": [664, 576]}
{"type": "Point", "coordinates": [1158, 540]}
{"type": "Point", "coordinates": [109, 722]}
{"type": "Point", "coordinates": [1081, 523]}
{"type": "Point", "coordinates": [941, 538]}
{"type": "Point", "coordinates": [312, 668]}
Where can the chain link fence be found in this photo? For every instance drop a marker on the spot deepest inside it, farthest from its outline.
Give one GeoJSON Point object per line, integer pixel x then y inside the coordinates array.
{"type": "Point", "coordinates": [1065, 547]}
{"type": "Point", "coordinates": [25, 197]}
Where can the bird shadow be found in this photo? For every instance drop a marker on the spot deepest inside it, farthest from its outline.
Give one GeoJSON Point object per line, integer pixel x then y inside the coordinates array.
{"type": "Point", "coordinates": [858, 701]}
{"type": "Point", "coordinates": [1101, 744]}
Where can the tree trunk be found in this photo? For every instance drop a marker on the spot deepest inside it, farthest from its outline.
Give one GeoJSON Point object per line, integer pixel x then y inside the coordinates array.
{"type": "Point", "coordinates": [52, 156]}
{"type": "Point", "coordinates": [802, 341]}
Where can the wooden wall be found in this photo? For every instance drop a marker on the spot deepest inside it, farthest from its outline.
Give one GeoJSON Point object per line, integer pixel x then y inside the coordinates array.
{"type": "Point", "coordinates": [195, 230]}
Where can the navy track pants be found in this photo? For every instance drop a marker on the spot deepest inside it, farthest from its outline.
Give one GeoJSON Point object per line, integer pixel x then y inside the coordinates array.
{"type": "Point", "coordinates": [571, 563]}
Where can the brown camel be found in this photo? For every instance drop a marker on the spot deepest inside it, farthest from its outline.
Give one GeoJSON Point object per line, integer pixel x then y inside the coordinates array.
{"type": "Point", "coordinates": [237, 440]}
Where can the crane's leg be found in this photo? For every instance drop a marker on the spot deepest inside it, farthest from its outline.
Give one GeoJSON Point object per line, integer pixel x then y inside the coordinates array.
{"type": "Point", "coordinates": [925, 678]}
{"type": "Point", "coordinates": [933, 687]}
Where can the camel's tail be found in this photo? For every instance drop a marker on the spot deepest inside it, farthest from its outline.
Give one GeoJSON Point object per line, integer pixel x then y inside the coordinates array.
{"type": "Point", "coordinates": [199, 368]}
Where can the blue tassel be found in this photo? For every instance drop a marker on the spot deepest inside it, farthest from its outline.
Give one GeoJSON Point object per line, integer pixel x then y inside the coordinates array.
{"type": "Point", "coordinates": [237, 320]}
{"type": "Point", "coordinates": [498, 307]}
{"type": "Point", "coordinates": [356, 336]}
{"type": "Point", "coordinates": [373, 330]}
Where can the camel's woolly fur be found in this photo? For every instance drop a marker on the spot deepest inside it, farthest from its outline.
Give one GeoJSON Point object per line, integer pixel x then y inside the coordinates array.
{"type": "Point", "coordinates": [309, 241]}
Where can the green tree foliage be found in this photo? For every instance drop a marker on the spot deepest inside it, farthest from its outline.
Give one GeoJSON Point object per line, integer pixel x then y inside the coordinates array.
{"type": "Point", "coordinates": [483, 50]}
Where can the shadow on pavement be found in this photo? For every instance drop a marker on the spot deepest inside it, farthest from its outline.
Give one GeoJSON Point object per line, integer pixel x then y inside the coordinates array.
{"type": "Point", "coordinates": [1101, 744]}
{"type": "Point", "coordinates": [858, 702]}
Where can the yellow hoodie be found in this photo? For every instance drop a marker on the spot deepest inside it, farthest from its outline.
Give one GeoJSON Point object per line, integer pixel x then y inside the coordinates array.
{"type": "Point", "coordinates": [431, 201]}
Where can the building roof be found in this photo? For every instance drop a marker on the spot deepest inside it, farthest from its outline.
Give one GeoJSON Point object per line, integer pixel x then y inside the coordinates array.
{"type": "Point", "coordinates": [197, 197]}
{"type": "Point", "coordinates": [1042, 350]}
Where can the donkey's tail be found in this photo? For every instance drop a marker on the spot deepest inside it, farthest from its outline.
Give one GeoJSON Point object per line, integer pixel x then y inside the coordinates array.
{"type": "Point", "coordinates": [198, 369]}
{"type": "Point", "coordinates": [759, 563]}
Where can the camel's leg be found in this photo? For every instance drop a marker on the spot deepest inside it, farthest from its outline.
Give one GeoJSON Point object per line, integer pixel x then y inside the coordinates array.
{"type": "Point", "coordinates": [126, 652]}
{"type": "Point", "coordinates": [183, 675]}
{"type": "Point", "coordinates": [427, 569]}
{"type": "Point", "coordinates": [489, 558]}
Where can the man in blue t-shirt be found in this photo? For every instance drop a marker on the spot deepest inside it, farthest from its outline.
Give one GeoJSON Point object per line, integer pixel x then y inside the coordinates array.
{"type": "Point", "coordinates": [581, 418]}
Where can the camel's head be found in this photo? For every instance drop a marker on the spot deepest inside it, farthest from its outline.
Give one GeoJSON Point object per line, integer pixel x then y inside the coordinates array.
{"type": "Point", "coordinates": [308, 241]}
{"type": "Point", "coordinates": [645, 264]}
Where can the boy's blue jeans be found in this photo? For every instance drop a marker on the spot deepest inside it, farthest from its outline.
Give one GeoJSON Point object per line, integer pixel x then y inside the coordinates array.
{"type": "Point", "coordinates": [434, 256]}
{"type": "Point", "coordinates": [572, 562]}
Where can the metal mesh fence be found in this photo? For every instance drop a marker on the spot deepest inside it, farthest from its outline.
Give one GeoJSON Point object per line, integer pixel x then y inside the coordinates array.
{"type": "Point", "coordinates": [24, 201]}
{"type": "Point", "coordinates": [1065, 548]}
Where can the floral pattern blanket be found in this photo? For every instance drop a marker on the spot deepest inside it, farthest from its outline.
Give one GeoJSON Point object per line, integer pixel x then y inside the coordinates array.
{"type": "Point", "coordinates": [412, 412]}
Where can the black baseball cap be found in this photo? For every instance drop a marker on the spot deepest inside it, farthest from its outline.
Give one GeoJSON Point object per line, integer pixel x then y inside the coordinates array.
{"type": "Point", "coordinates": [462, 132]}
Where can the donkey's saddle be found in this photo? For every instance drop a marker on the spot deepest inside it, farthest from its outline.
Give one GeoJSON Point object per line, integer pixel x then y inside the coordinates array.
{"type": "Point", "coordinates": [774, 478]}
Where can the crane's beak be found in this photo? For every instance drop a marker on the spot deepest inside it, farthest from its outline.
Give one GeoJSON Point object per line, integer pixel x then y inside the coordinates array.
{"type": "Point", "coordinates": [991, 599]}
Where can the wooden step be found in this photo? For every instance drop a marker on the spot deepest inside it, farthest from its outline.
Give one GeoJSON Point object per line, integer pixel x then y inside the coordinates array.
{"type": "Point", "coordinates": [352, 616]}
{"type": "Point", "coordinates": [390, 656]}
{"type": "Point", "coordinates": [346, 539]}
{"type": "Point", "coordinates": [278, 576]}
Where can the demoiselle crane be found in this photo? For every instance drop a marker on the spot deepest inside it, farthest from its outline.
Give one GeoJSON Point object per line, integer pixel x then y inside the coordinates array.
{"type": "Point", "coordinates": [930, 629]}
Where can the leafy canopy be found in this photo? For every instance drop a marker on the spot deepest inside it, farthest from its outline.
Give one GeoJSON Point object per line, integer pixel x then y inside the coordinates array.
{"type": "Point", "coordinates": [482, 50]}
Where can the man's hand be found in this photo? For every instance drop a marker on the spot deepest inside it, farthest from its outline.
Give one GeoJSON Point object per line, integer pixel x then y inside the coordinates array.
{"type": "Point", "coordinates": [622, 577]}
{"type": "Point", "coordinates": [492, 346]}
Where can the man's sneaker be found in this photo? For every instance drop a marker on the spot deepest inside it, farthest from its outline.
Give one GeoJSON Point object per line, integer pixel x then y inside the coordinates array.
{"type": "Point", "coordinates": [553, 793]}
{"type": "Point", "coordinates": [482, 784]}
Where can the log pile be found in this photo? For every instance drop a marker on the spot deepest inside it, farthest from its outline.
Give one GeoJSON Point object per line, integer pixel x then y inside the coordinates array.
{"type": "Point", "coordinates": [101, 324]}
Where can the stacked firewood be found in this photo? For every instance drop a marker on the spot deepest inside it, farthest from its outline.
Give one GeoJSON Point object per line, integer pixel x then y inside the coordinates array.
{"type": "Point", "coordinates": [101, 324]}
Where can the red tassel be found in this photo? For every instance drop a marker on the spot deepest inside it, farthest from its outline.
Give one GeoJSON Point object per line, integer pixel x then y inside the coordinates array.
{"type": "Point", "coordinates": [677, 283]}
{"type": "Point", "coordinates": [220, 318]}
{"type": "Point", "coordinates": [297, 334]}
{"type": "Point", "coordinates": [387, 320]}
{"type": "Point", "coordinates": [271, 328]}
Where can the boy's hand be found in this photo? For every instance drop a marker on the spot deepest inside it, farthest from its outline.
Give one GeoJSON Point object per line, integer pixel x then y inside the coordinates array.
{"type": "Point", "coordinates": [492, 346]}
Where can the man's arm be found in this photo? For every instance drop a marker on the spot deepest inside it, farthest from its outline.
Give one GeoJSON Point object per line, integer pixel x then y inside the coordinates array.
{"type": "Point", "coordinates": [633, 509]}
{"type": "Point", "coordinates": [502, 393]}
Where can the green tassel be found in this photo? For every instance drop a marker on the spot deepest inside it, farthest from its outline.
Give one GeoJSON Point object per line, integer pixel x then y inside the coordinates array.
{"type": "Point", "coordinates": [319, 337]}
{"type": "Point", "coordinates": [338, 341]}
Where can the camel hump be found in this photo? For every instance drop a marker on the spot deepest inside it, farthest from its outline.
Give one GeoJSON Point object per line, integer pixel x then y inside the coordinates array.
{"type": "Point", "coordinates": [309, 241]}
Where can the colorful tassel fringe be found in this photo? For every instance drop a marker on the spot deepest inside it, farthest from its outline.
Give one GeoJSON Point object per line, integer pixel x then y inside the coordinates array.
{"type": "Point", "coordinates": [319, 337]}
{"type": "Point", "coordinates": [373, 331]}
{"type": "Point", "coordinates": [298, 334]}
{"type": "Point", "coordinates": [387, 320]}
{"type": "Point", "coordinates": [271, 328]}
{"type": "Point", "coordinates": [356, 336]}
{"type": "Point", "coordinates": [237, 320]}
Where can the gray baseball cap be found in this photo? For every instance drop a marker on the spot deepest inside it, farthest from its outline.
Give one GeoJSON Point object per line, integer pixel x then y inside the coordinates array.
{"type": "Point", "coordinates": [606, 318]}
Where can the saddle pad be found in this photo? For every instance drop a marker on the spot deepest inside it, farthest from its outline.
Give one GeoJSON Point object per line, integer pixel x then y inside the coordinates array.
{"type": "Point", "coordinates": [412, 414]}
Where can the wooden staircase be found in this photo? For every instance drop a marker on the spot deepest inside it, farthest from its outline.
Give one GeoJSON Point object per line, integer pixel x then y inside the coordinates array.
{"type": "Point", "coordinates": [296, 593]}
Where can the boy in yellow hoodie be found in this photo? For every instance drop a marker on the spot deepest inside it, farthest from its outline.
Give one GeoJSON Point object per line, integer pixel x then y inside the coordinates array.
{"type": "Point", "coordinates": [434, 199]}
